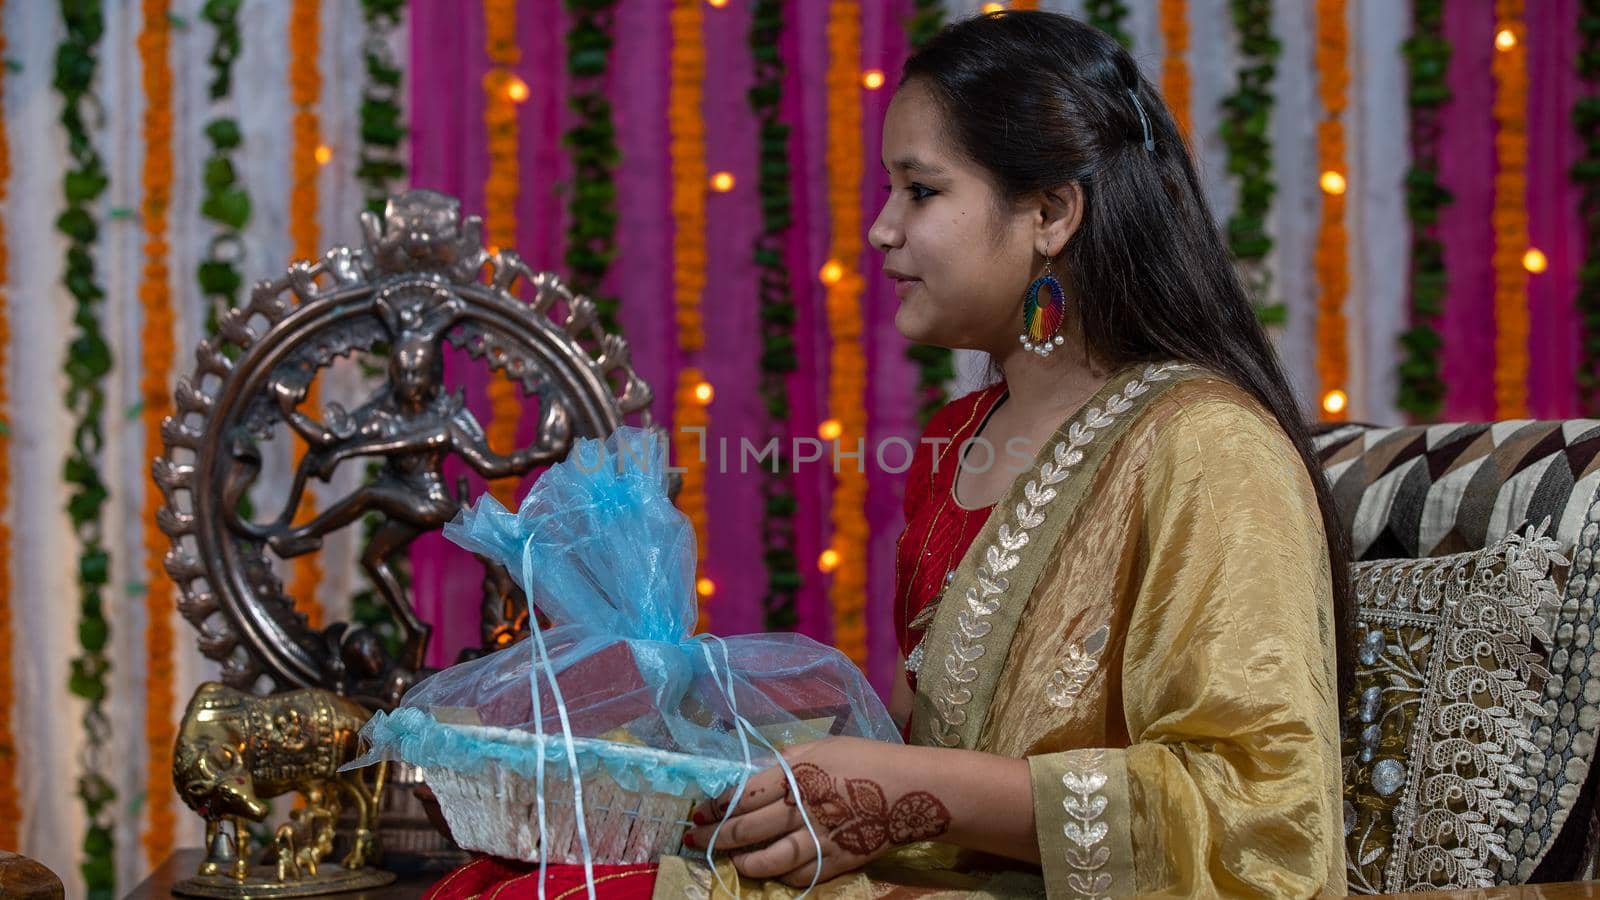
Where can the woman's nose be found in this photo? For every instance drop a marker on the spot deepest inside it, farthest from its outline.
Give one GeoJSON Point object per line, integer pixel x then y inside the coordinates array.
{"type": "Point", "coordinates": [885, 233]}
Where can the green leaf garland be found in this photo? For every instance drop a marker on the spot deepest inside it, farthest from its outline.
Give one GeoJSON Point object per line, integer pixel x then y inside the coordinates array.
{"type": "Point", "coordinates": [927, 17]}
{"type": "Point", "coordinates": [1247, 134]}
{"type": "Point", "coordinates": [382, 126]}
{"type": "Point", "coordinates": [777, 311]}
{"type": "Point", "coordinates": [88, 362]}
{"type": "Point", "coordinates": [1586, 174]}
{"type": "Point", "coordinates": [592, 206]}
{"type": "Point", "coordinates": [224, 201]}
{"type": "Point", "coordinates": [1109, 16]}
{"type": "Point", "coordinates": [1421, 382]}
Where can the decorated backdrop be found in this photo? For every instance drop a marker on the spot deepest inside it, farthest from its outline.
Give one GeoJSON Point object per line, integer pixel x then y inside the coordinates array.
{"type": "Point", "coordinates": [1404, 186]}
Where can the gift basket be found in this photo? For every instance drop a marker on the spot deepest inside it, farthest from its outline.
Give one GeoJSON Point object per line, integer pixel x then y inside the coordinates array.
{"type": "Point", "coordinates": [591, 740]}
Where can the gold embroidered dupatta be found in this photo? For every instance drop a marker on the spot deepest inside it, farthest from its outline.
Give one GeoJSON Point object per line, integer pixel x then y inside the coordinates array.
{"type": "Point", "coordinates": [1146, 618]}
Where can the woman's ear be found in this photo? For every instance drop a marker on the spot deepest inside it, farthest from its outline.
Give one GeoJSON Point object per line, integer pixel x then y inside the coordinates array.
{"type": "Point", "coordinates": [1060, 213]}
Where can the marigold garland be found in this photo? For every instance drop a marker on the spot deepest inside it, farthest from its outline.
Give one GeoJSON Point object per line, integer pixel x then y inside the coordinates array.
{"type": "Point", "coordinates": [1420, 377]}
{"type": "Point", "coordinates": [687, 149]}
{"type": "Point", "coordinates": [777, 313]}
{"type": "Point", "coordinates": [1175, 67]}
{"type": "Point", "coordinates": [688, 447]}
{"type": "Point", "coordinates": [305, 87]}
{"type": "Point", "coordinates": [1247, 135]}
{"type": "Point", "coordinates": [1511, 326]}
{"type": "Point", "coordinates": [1331, 257]}
{"type": "Point", "coordinates": [847, 363]}
{"type": "Point", "coordinates": [157, 350]}
{"type": "Point", "coordinates": [500, 192]}
{"type": "Point", "coordinates": [88, 361]}
{"type": "Point", "coordinates": [10, 802]}
{"type": "Point", "coordinates": [1586, 174]}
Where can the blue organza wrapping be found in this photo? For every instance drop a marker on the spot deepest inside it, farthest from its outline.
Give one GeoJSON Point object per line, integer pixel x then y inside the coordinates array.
{"type": "Point", "coordinates": [600, 549]}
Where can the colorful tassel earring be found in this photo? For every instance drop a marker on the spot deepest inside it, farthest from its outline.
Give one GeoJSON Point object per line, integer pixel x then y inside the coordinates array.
{"type": "Point", "coordinates": [1042, 317]}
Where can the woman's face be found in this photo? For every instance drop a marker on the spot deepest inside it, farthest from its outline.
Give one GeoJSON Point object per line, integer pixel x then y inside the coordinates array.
{"type": "Point", "coordinates": [960, 257]}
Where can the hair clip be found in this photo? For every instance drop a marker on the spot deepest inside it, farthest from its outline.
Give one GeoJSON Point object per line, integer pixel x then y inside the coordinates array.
{"type": "Point", "coordinates": [1149, 142]}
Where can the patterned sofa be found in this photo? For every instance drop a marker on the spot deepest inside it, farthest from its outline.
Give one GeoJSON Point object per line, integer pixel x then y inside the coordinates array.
{"type": "Point", "coordinates": [1412, 493]}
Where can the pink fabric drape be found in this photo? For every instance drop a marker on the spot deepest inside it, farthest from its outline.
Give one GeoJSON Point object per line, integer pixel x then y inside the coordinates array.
{"type": "Point", "coordinates": [1466, 169]}
{"type": "Point", "coordinates": [731, 359]}
{"type": "Point", "coordinates": [1554, 225]}
{"type": "Point", "coordinates": [892, 387]}
{"type": "Point", "coordinates": [804, 106]}
{"type": "Point", "coordinates": [449, 154]}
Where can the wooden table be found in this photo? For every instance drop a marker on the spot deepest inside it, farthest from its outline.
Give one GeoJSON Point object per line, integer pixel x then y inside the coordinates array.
{"type": "Point", "coordinates": [182, 863]}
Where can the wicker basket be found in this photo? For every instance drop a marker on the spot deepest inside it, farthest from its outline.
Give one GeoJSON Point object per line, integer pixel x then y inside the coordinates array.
{"type": "Point", "coordinates": [496, 811]}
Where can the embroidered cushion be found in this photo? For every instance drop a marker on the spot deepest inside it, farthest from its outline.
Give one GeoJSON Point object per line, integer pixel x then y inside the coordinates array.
{"type": "Point", "coordinates": [1451, 667]}
{"type": "Point", "coordinates": [1430, 490]}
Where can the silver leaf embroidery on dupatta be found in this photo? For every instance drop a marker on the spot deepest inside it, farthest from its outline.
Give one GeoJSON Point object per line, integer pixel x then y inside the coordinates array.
{"type": "Point", "coordinates": [1067, 682]}
{"type": "Point", "coordinates": [1086, 829]}
{"type": "Point", "coordinates": [952, 695]}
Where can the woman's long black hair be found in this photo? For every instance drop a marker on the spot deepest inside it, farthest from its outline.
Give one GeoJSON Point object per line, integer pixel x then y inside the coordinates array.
{"type": "Point", "coordinates": [1040, 100]}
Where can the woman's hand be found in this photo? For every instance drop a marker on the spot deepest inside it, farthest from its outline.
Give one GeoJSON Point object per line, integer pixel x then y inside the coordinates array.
{"type": "Point", "coordinates": [863, 798]}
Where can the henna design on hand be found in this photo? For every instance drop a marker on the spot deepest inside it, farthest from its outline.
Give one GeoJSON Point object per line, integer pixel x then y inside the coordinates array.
{"type": "Point", "coordinates": [862, 821]}
{"type": "Point", "coordinates": [918, 816]}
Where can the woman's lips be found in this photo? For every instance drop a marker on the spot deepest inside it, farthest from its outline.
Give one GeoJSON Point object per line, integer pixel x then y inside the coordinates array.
{"type": "Point", "coordinates": [902, 286]}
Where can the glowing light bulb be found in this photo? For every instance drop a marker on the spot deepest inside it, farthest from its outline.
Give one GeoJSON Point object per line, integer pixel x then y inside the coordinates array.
{"type": "Point", "coordinates": [830, 430]}
{"type": "Point", "coordinates": [993, 8]}
{"type": "Point", "coordinates": [872, 79]}
{"type": "Point", "coordinates": [717, 3]}
{"type": "Point", "coordinates": [703, 392]}
{"type": "Point", "coordinates": [517, 89]}
{"type": "Point", "coordinates": [1505, 39]}
{"type": "Point", "coordinates": [1534, 260]}
{"type": "Point", "coordinates": [324, 154]}
{"type": "Point", "coordinates": [1332, 183]}
{"type": "Point", "coordinates": [832, 271]}
{"type": "Point", "coordinates": [706, 587]}
{"type": "Point", "coordinates": [828, 561]}
{"type": "Point", "coordinates": [722, 181]}
{"type": "Point", "coordinates": [1334, 402]}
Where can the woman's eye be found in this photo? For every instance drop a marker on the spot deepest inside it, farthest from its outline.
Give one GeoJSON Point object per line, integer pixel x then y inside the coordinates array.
{"type": "Point", "coordinates": [918, 192]}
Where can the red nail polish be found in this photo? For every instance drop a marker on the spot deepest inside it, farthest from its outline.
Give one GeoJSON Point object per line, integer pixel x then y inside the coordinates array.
{"type": "Point", "coordinates": [699, 817]}
{"type": "Point", "coordinates": [688, 840]}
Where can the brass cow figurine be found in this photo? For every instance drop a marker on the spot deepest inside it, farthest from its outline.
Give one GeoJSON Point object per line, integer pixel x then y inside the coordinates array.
{"type": "Point", "coordinates": [236, 750]}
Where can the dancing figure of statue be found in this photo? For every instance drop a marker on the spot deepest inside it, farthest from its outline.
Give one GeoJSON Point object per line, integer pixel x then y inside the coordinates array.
{"type": "Point", "coordinates": [414, 424]}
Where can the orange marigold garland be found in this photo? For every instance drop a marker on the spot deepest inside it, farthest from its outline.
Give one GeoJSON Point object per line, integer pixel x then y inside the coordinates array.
{"type": "Point", "coordinates": [847, 364]}
{"type": "Point", "coordinates": [687, 148]}
{"type": "Point", "coordinates": [1175, 68]}
{"type": "Point", "coordinates": [305, 86]}
{"type": "Point", "coordinates": [1332, 253]}
{"type": "Point", "coordinates": [10, 802]}
{"type": "Point", "coordinates": [500, 190]}
{"type": "Point", "coordinates": [1511, 328]}
{"type": "Point", "coordinates": [157, 349]}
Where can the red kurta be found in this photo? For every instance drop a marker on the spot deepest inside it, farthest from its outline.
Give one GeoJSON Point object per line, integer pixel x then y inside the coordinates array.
{"type": "Point", "coordinates": [938, 530]}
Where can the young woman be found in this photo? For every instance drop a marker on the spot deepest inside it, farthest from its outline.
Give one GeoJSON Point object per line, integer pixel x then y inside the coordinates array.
{"type": "Point", "coordinates": [1122, 662]}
